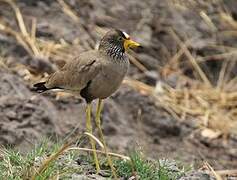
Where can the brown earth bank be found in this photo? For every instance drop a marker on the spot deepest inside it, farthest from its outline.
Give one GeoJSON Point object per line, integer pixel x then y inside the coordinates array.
{"type": "Point", "coordinates": [130, 119]}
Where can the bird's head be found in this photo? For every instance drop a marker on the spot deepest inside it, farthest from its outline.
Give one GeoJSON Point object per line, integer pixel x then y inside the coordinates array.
{"type": "Point", "coordinates": [116, 42]}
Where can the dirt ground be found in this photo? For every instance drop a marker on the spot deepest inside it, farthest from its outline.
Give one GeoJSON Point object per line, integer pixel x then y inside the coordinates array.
{"type": "Point", "coordinates": [130, 119]}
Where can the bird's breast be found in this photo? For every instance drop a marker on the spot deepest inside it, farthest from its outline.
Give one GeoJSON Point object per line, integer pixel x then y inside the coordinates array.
{"type": "Point", "coordinates": [115, 71]}
{"type": "Point", "coordinates": [109, 79]}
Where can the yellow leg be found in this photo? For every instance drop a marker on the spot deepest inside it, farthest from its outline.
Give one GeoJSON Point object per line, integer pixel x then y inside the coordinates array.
{"type": "Point", "coordinates": [89, 129]}
{"type": "Point", "coordinates": [98, 124]}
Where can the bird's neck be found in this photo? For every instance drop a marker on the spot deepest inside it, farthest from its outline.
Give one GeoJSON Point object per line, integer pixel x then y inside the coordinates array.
{"type": "Point", "coordinates": [114, 51]}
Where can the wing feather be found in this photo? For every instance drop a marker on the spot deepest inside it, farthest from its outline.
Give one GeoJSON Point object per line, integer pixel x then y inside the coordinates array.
{"type": "Point", "coordinates": [77, 73]}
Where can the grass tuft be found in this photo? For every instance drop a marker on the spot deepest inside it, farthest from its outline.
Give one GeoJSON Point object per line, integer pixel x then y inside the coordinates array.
{"type": "Point", "coordinates": [16, 166]}
{"type": "Point", "coordinates": [141, 168]}
{"type": "Point", "coordinates": [76, 164]}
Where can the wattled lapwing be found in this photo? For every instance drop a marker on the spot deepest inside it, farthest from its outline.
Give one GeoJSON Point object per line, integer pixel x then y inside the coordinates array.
{"type": "Point", "coordinates": [94, 74]}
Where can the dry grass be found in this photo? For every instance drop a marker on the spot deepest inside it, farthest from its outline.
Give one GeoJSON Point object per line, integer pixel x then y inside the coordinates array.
{"type": "Point", "coordinates": [68, 10]}
{"type": "Point", "coordinates": [26, 37]}
{"type": "Point", "coordinates": [213, 106]}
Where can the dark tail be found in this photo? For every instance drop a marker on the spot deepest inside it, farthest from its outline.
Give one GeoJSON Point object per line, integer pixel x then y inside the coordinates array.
{"type": "Point", "coordinates": [40, 87]}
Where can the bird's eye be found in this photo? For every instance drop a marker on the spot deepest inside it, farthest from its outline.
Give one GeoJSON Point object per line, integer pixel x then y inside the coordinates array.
{"type": "Point", "coordinates": [120, 38]}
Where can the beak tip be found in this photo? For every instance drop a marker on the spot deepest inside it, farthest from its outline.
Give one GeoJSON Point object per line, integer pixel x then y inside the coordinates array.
{"type": "Point", "coordinates": [140, 46]}
{"type": "Point", "coordinates": [131, 44]}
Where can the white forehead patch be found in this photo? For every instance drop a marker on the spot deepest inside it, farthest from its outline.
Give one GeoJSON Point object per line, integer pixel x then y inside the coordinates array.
{"type": "Point", "coordinates": [126, 35]}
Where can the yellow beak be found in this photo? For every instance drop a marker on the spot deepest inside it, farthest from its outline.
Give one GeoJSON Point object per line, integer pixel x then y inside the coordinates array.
{"type": "Point", "coordinates": [128, 43]}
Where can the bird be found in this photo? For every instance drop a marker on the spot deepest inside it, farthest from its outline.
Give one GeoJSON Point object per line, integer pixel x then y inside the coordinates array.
{"type": "Point", "coordinates": [94, 74]}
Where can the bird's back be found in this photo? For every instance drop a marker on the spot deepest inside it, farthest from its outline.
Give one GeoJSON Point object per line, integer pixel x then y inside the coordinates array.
{"type": "Point", "coordinates": [75, 74]}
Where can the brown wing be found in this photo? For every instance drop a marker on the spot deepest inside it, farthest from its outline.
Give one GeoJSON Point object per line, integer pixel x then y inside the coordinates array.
{"type": "Point", "coordinates": [76, 74]}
